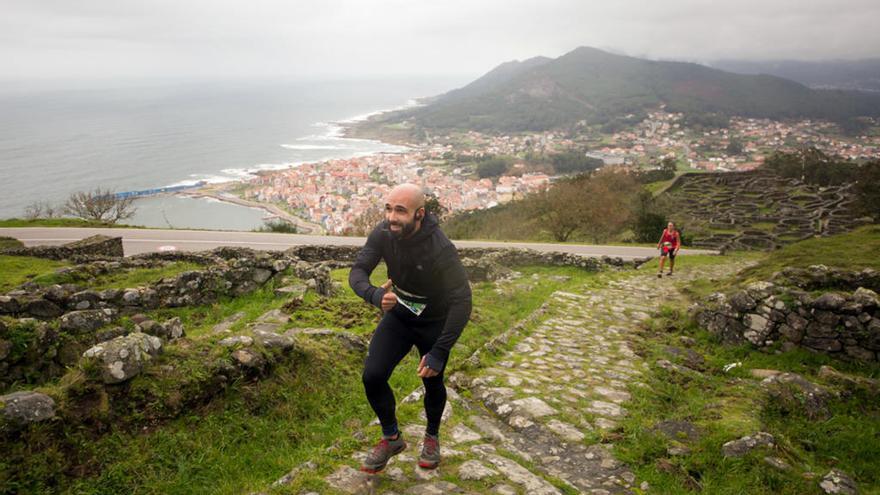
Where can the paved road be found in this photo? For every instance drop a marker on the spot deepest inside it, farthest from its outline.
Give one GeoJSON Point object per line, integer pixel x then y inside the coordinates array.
{"type": "Point", "coordinates": [137, 241]}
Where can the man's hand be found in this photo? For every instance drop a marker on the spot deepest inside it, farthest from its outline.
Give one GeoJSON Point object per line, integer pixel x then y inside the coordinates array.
{"type": "Point", "coordinates": [389, 300]}
{"type": "Point", "coordinates": [424, 371]}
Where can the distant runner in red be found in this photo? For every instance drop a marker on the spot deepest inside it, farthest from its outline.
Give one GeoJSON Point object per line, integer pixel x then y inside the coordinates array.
{"type": "Point", "coordinates": [670, 243]}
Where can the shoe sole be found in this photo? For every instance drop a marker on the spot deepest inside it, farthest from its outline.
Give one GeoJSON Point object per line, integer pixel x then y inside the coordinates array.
{"type": "Point", "coordinates": [379, 469]}
{"type": "Point", "coordinates": [428, 464]}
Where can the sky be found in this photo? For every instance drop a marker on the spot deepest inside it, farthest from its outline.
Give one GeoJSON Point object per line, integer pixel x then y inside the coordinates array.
{"type": "Point", "coordinates": [314, 39]}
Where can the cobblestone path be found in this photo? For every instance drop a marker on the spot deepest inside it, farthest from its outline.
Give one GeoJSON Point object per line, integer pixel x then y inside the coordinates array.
{"type": "Point", "coordinates": [530, 419]}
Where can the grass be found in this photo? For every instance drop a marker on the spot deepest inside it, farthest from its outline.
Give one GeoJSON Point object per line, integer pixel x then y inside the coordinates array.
{"type": "Point", "coordinates": [16, 270]}
{"type": "Point", "coordinates": [120, 280]}
{"type": "Point", "coordinates": [254, 432]}
{"type": "Point", "coordinates": [854, 250]}
{"type": "Point", "coordinates": [10, 243]}
{"type": "Point", "coordinates": [729, 405]}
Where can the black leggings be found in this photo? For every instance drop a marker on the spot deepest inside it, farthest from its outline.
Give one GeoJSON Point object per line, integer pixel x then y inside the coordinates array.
{"type": "Point", "coordinates": [392, 341]}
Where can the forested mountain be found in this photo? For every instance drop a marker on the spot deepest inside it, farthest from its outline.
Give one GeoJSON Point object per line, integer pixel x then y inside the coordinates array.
{"type": "Point", "coordinates": [598, 87]}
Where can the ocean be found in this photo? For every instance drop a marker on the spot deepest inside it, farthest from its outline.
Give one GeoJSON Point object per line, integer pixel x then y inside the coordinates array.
{"type": "Point", "coordinates": [55, 142]}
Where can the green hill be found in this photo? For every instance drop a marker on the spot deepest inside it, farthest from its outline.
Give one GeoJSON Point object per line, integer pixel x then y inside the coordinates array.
{"type": "Point", "coordinates": [591, 85]}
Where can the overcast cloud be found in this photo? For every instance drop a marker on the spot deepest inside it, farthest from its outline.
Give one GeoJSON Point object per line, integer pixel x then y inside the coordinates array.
{"type": "Point", "coordinates": [106, 39]}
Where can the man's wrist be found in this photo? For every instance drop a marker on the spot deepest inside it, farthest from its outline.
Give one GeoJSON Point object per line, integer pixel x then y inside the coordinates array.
{"type": "Point", "coordinates": [433, 362]}
{"type": "Point", "coordinates": [377, 296]}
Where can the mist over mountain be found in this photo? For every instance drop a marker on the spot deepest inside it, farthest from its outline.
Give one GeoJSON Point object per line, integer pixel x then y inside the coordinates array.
{"type": "Point", "coordinates": [597, 87]}
{"type": "Point", "coordinates": [862, 75]}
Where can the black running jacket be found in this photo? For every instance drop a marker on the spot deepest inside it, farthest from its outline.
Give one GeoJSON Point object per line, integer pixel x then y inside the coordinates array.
{"type": "Point", "coordinates": [425, 269]}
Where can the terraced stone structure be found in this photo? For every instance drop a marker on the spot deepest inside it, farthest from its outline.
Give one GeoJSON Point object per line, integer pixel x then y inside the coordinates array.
{"type": "Point", "coordinates": [757, 210]}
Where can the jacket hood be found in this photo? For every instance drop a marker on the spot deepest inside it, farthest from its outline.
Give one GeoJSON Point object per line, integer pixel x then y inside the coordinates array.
{"type": "Point", "coordinates": [429, 225]}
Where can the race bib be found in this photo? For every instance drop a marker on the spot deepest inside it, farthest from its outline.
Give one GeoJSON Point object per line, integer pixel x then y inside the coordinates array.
{"type": "Point", "coordinates": [413, 302]}
{"type": "Point", "coordinates": [414, 307]}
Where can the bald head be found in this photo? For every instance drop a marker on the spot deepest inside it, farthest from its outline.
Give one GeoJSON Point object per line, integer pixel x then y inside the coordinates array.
{"type": "Point", "coordinates": [410, 195]}
{"type": "Point", "coordinates": [404, 209]}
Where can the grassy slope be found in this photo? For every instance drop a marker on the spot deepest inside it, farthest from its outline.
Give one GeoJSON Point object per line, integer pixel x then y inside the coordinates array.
{"type": "Point", "coordinates": [15, 270]}
{"type": "Point", "coordinates": [728, 405]}
{"type": "Point", "coordinates": [19, 269]}
{"type": "Point", "coordinates": [9, 243]}
{"type": "Point", "coordinates": [853, 251]}
{"type": "Point", "coordinates": [255, 432]}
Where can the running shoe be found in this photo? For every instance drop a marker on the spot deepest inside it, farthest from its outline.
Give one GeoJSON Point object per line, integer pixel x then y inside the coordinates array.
{"type": "Point", "coordinates": [378, 458]}
{"type": "Point", "coordinates": [430, 456]}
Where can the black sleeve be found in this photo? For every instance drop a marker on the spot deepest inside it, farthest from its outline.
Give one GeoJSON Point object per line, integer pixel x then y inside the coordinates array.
{"type": "Point", "coordinates": [458, 290]}
{"type": "Point", "coordinates": [367, 259]}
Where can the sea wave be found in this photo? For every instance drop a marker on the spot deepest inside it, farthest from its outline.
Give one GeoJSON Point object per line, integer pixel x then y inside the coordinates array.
{"type": "Point", "coordinates": [304, 147]}
{"type": "Point", "coordinates": [332, 135]}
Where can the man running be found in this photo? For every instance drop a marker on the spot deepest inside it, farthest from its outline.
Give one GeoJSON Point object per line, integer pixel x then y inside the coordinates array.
{"type": "Point", "coordinates": [427, 303]}
{"type": "Point", "coordinates": [670, 243]}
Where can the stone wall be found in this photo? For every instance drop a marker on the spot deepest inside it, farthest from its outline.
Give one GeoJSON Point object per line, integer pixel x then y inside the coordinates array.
{"type": "Point", "coordinates": [792, 310]}
{"type": "Point", "coordinates": [507, 257]}
{"type": "Point", "coordinates": [99, 246]}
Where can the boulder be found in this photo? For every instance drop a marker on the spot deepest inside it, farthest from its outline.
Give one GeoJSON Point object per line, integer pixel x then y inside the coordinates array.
{"type": "Point", "coordinates": [9, 305]}
{"type": "Point", "coordinates": [484, 270]}
{"type": "Point", "coordinates": [89, 320]}
{"type": "Point", "coordinates": [292, 291]}
{"type": "Point", "coordinates": [248, 358]}
{"type": "Point", "coordinates": [838, 482]}
{"type": "Point", "coordinates": [20, 408]}
{"type": "Point", "coordinates": [123, 358]}
{"type": "Point", "coordinates": [173, 329]}
{"type": "Point", "coordinates": [43, 308]}
{"type": "Point", "coordinates": [792, 393]}
{"type": "Point", "coordinates": [86, 299]}
{"type": "Point", "coordinates": [274, 316]}
{"type": "Point", "coordinates": [272, 340]}
{"type": "Point", "coordinates": [688, 357]}
{"type": "Point", "coordinates": [851, 384]}
{"type": "Point", "coordinates": [829, 301]}
{"type": "Point", "coordinates": [746, 444]}
{"type": "Point", "coordinates": [242, 340]}
{"type": "Point", "coordinates": [169, 330]}
{"type": "Point", "coordinates": [866, 298]}
{"type": "Point", "coordinates": [261, 276]}
{"type": "Point", "coordinates": [225, 325]}
{"type": "Point", "coordinates": [742, 302]}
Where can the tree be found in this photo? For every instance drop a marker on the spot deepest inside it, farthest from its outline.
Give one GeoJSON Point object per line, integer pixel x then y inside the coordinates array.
{"type": "Point", "coordinates": [813, 166]}
{"type": "Point", "coordinates": [867, 189]}
{"type": "Point", "coordinates": [599, 205]}
{"type": "Point", "coordinates": [366, 222]}
{"type": "Point", "coordinates": [433, 205]}
{"type": "Point", "coordinates": [648, 222]}
{"type": "Point", "coordinates": [100, 205]}
{"type": "Point", "coordinates": [40, 209]}
{"type": "Point", "coordinates": [735, 147]}
{"type": "Point", "coordinates": [571, 162]}
{"type": "Point", "coordinates": [561, 208]}
{"type": "Point", "coordinates": [609, 197]}
{"type": "Point", "coordinates": [492, 167]}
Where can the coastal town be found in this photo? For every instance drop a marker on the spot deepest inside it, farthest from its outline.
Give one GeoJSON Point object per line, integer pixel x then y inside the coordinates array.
{"type": "Point", "coordinates": [335, 194]}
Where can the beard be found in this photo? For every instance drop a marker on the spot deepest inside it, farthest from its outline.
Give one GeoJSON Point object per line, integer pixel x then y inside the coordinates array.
{"type": "Point", "coordinates": [405, 229]}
